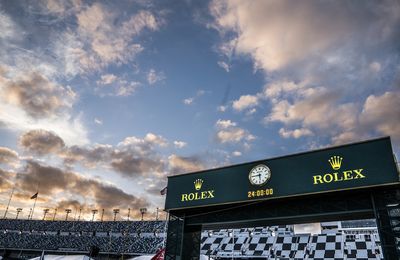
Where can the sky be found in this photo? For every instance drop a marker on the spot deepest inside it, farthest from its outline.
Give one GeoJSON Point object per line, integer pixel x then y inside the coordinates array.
{"type": "Point", "coordinates": [100, 101]}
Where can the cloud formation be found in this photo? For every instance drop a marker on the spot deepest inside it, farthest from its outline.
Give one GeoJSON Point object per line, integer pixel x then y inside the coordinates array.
{"type": "Point", "coordinates": [153, 76]}
{"type": "Point", "coordinates": [102, 38]}
{"type": "Point", "coordinates": [244, 102]}
{"type": "Point", "coordinates": [52, 180]}
{"type": "Point", "coordinates": [179, 164]}
{"type": "Point", "coordinates": [41, 142]}
{"type": "Point", "coordinates": [132, 157]}
{"type": "Point", "coordinates": [8, 156]}
{"type": "Point", "coordinates": [228, 132]}
{"type": "Point", "coordinates": [383, 113]}
{"type": "Point", "coordinates": [36, 95]}
{"type": "Point", "coordinates": [277, 34]}
{"type": "Point", "coordinates": [34, 101]}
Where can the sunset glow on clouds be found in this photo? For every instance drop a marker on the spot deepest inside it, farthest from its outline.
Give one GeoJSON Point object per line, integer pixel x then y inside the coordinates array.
{"type": "Point", "coordinates": [101, 101]}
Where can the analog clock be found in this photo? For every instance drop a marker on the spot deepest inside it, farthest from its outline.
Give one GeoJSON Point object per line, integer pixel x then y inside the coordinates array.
{"type": "Point", "coordinates": [259, 175]}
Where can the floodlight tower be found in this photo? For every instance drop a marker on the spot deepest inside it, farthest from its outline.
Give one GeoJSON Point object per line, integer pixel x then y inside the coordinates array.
{"type": "Point", "coordinates": [55, 213]}
{"type": "Point", "coordinates": [94, 211]}
{"type": "Point", "coordinates": [67, 211]}
{"type": "Point", "coordinates": [143, 211]}
{"type": "Point", "coordinates": [80, 211]}
{"type": "Point", "coordinates": [45, 211]}
{"type": "Point", "coordinates": [116, 211]}
{"type": "Point", "coordinates": [18, 211]}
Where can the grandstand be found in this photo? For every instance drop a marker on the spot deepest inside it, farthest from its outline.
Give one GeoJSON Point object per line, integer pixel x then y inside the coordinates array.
{"type": "Point", "coordinates": [336, 240]}
{"type": "Point", "coordinates": [114, 238]}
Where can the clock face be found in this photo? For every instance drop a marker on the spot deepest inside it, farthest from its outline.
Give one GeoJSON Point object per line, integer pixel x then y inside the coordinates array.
{"type": "Point", "coordinates": [259, 175]}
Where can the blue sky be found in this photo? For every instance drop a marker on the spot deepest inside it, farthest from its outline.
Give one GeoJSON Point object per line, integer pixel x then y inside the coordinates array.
{"type": "Point", "coordinates": [102, 100]}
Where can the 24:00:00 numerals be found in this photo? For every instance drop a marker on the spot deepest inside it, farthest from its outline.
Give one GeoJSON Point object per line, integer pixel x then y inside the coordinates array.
{"type": "Point", "coordinates": [260, 193]}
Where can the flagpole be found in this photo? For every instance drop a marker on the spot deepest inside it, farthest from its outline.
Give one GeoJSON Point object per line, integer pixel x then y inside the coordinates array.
{"type": "Point", "coordinates": [37, 194]}
{"type": "Point", "coordinates": [34, 204]}
{"type": "Point", "coordinates": [5, 213]}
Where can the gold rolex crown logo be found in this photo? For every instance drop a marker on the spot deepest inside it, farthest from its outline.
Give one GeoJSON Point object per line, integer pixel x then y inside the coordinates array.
{"type": "Point", "coordinates": [336, 162]}
{"type": "Point", "coordinates": [198, 183]}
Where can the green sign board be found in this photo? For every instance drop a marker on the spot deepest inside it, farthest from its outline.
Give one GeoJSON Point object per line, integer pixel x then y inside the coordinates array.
{"type": "Point", "coordinates": [358, 165]}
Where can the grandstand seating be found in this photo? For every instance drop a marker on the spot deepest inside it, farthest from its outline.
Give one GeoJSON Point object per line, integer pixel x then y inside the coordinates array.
{"type": "Point", "coordinates": [134, 237]}
{"type": "Point", "coordinates": [344, 240]}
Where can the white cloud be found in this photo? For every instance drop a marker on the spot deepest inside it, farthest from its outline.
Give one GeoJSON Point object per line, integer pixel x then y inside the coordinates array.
{"type": "Point", "coordinates": [281, 88]}
{"type": "Point", "coordinates": [346, 137]}
{"type": "Point", "coordinates": [223, 124]}
{"type": "Point", "coordinates": [7, 27]}
{"type": "Point", "coordinates": [255, 28]}
{"type": "Point", "coordinates": [224, 65]}
{"type": "Point", "coordinates": [318, 109]}
{"type": "Point", "coordinates": [180, 144]}
{"type": "Point", "coordinates": [236, 153]}
{"type": "Point", "coordinates": [156, 139]}
{"type": "Point", "coordinates": [188, 101]}
{"type": "Point", "coordinates": [296, 133]}
{"type": "Point", "coordinates": [234, 135]}
{"type": "Point", "coordinates": [8, 156]}
{"type": "Point", "coordinates": [34, 102]}
{"type": "Point", "coordinates": [153, 77]}
{"type": "Point", "coordinates": [251, 112]}
{"type": "Point", "coordinates": [180, 164]}
{"type": "Point", "coordinates": [107, 79]}
{"type": "Point", "coordinates": [102, 38]}
{"type": "Point", "coordinates": [244, 102]}
{"type": "Point", "coordinates": [98, 121]}
{"type": "Point", "coordinates": [71, 129]}
{"type": "Point", "coordinates": [228, 132]}
{"type": "Point", "coordinates": [125, 89]}
{"type": "Point", "coordinates": [383, 113]}
{"type": "Point", "coordinates": [221, 108]}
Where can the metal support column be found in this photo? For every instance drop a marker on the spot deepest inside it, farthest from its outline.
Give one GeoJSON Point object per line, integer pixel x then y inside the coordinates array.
{"type": "Point", "coordinates": [173, 249]}
{"type": "Point", "coordinates": [191, 242]}
{"type": "Point", "coordinates": [384, 204]}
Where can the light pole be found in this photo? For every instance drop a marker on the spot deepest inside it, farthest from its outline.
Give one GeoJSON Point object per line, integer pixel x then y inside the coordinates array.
{"type": "Point", "coordinates": [143, 211]}
{"type": "Point", "coordinates": [55, 213]}
{"type": "Point", "coordinates": [80, 211]}
{"type": "Point", "coordinates": [30, 212]}
{"type": "Point", "coordinates": [129, 213]}
{"type": "Point", "coordinates": [66, 215]}
{"type": "Point", "coordinates": [94, 211]}
{"type": "Point", "coordinates": [116, 211]}
{"type": "Point", "coordinates": [157, 214]}
{"type": "Point", "coordinates": [45, 211]}
{"type": "Point", "coordinates": [18, 211]}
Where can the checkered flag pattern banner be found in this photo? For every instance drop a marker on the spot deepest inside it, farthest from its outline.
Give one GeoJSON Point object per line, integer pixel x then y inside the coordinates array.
{"type": "Point", "coordinates": [281, 242]}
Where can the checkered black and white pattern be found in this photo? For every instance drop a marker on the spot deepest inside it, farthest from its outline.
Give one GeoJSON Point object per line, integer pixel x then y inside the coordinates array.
{"type": "Point", "coordinates": [263, 242]}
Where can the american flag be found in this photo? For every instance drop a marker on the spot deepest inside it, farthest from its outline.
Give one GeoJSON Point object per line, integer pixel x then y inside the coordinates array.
{"type": "Point", "coordinates": [159, 255]}
{"type": "Point", "coordinates": [163, 191]}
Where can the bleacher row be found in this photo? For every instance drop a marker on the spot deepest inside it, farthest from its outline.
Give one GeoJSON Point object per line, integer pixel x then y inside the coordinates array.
{"type": "Point", "coordinates": [280, 242]}
{"type": "Point", "coordinates": [84, 226]}
{"type": "Point", "coordinates": [122, 244]}
{"type": "Point", "coordinates": [133, 237]}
